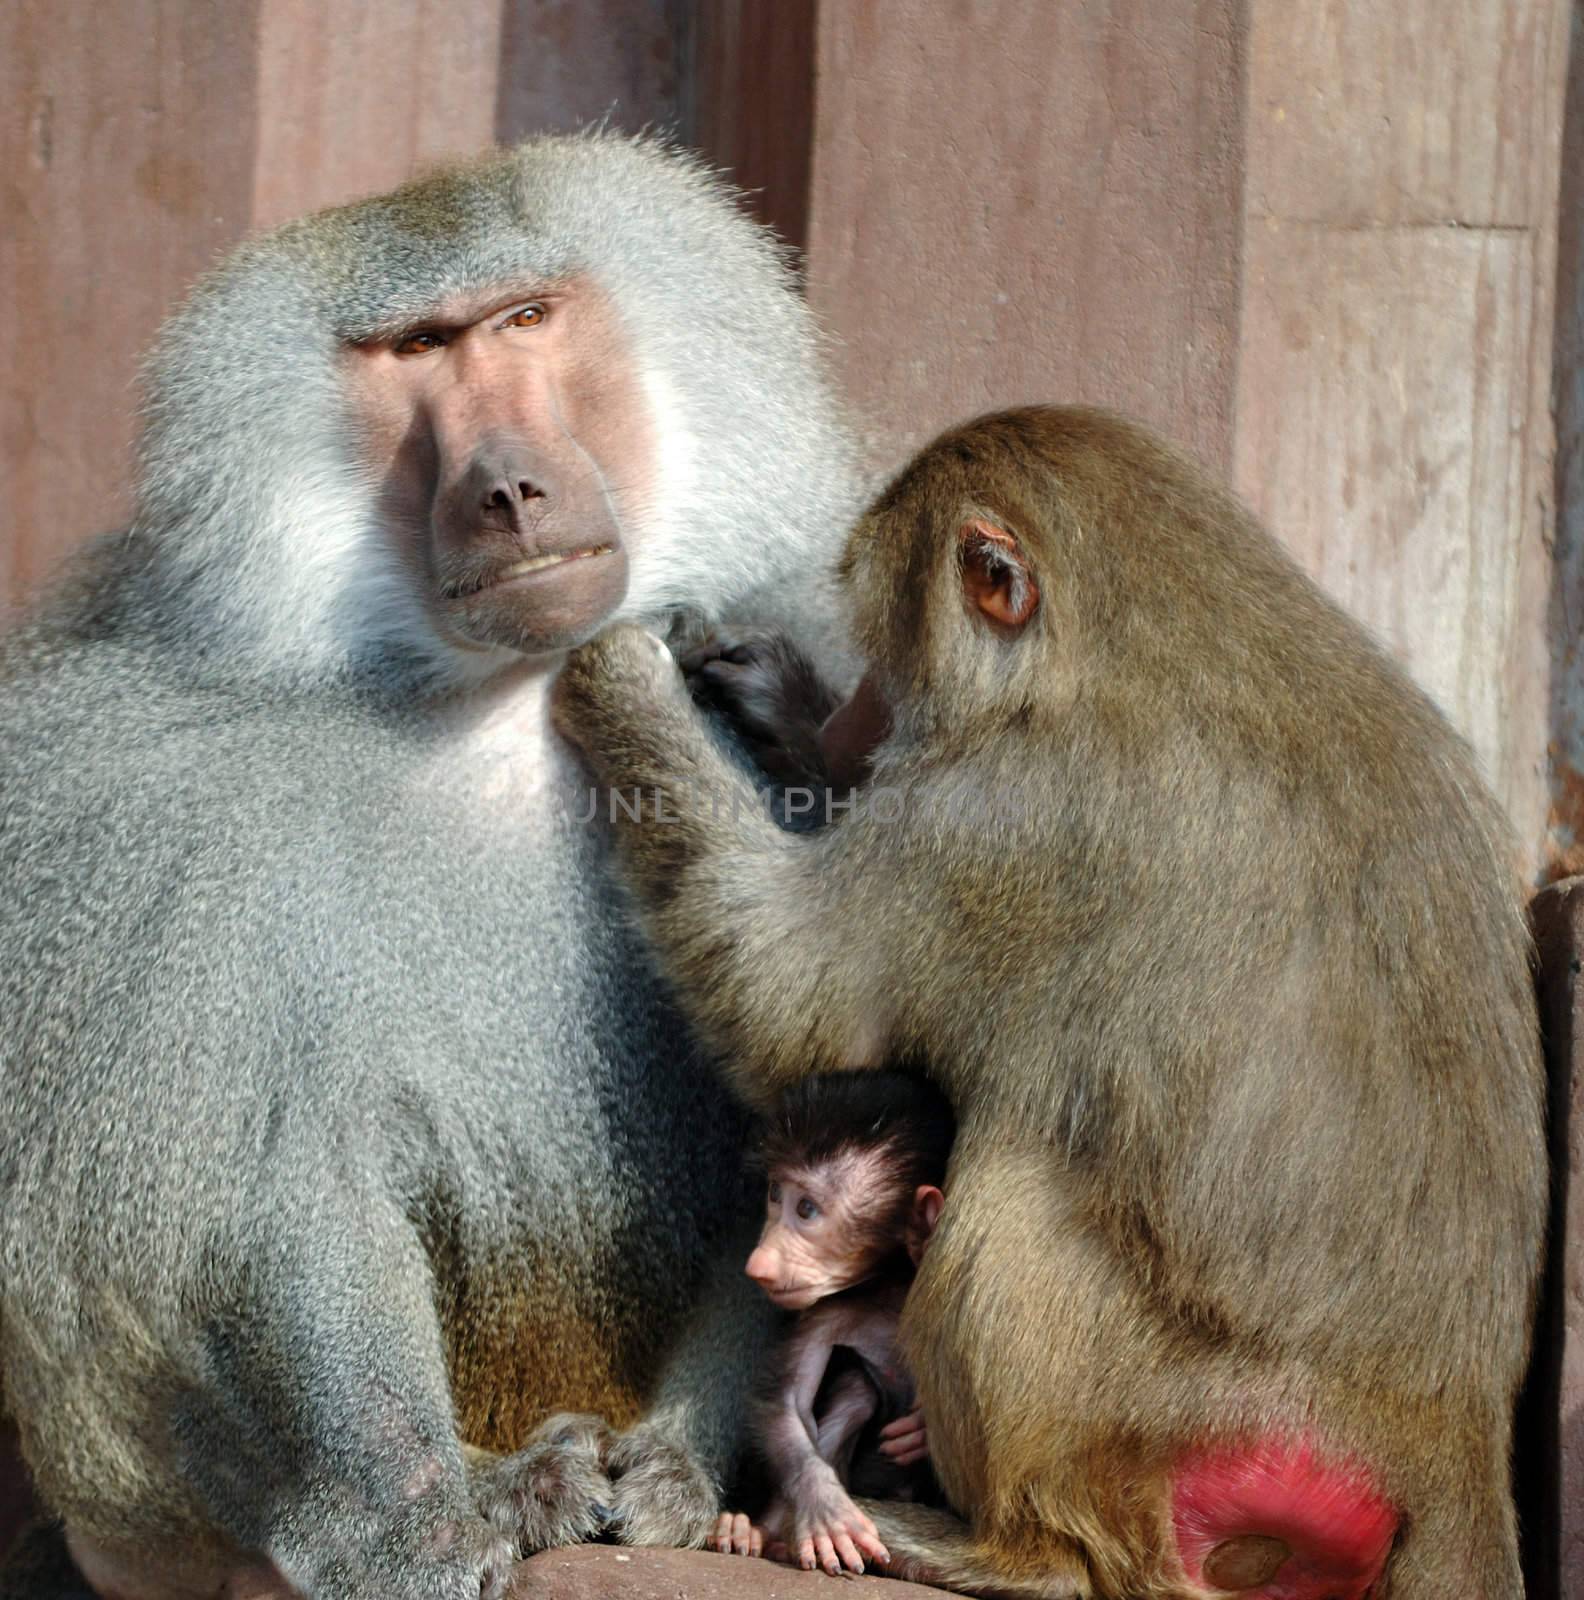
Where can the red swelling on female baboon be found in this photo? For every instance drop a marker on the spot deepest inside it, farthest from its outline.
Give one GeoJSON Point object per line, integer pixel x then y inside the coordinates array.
{"type": "Point", "coordinates": [854, 1164]}
{"type": "Point", "coordinates": [1199, 913]}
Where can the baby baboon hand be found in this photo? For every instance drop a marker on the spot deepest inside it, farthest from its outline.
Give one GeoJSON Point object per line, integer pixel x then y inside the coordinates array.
{"type": "Point", "coordinates": [662, 1493]}
{"type": "Point", "coordinates": [906, 1440]}
{"type": "Point", "coordinates": [769, 692]}
{"type": "Point", "coordinates": [736, 1534]}
{"type": "Point", "coordinates": [751, 677]}
{"type": "Point", "coordinates": [625, 667]}
{"type": "Point", "coordinates": [552, 1492]}
{"type": "Point", "coordinates": [829, 1531]}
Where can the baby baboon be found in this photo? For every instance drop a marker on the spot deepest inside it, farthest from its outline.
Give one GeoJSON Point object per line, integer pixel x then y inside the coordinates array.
{"type": "Point", "coordinates": [1199, 913]}
{"type": "Point", "coordinates": [854, 1164]}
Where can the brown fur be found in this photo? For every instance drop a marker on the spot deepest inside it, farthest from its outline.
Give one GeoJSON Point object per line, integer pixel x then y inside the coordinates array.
{"type": "Point", "coordinates": [1219, 956]}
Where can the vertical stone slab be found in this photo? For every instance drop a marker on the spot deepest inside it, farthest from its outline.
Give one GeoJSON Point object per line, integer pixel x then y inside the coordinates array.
{"type": "Point", "coordinates": [1385, 433]}
{"type": "Point", "coordinates": [1393, 383]}
{"type": "Point", "coordinates": [562, 67]}
{"type": "Point", "coordinates": [1565, 850]}
{"type": "Point", "coordinates": [751, 107]}
{"type": "Point", "coordinates": [126, 164]}
{"type": "Point", "coordinates": [356, 95]}
{"type": "Point", "coordinates": [1013, 203]}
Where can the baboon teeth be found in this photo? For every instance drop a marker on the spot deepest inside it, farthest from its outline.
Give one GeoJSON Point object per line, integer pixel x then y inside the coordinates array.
{"type": "Point", "coordinates": [521, 569]}
{"type": "Point", "coordinates": [554, 559]}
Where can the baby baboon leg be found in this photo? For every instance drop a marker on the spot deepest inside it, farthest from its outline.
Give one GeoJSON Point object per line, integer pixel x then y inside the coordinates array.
{"type": "Point", "coordinates": [935, 1547]}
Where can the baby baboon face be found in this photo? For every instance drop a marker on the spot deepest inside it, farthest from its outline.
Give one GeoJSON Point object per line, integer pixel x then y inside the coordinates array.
{"type": "Point", "coordinates": [830, 1225]}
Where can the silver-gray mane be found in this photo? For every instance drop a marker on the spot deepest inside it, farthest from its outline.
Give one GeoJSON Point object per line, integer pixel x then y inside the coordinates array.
{"type": "Point", "coordinates": [267, 551]}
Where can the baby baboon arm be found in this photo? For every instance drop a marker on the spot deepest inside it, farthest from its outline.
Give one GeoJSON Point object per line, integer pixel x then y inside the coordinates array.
{"type": "Point", "coordinates": [849, 1405]}
{"type": "Point", "coordinates": [754, 925]}
{"type": "Point", "coordinates": [790, 1430]}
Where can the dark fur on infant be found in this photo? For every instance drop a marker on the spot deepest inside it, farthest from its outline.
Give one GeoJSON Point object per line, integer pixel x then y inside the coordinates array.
{"type": "Point", "coordinates": [855, 1164]}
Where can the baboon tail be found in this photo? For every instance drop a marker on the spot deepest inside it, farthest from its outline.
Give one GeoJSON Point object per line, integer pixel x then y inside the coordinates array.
{"type": "Point", "coordinates": [934, 1547]}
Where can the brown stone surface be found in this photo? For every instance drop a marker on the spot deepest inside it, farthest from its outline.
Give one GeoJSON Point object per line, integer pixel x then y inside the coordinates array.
{"type": "Point", "coordinates": [1566, 843]}
{"type": "Point", "coordinates": [596, 1571]}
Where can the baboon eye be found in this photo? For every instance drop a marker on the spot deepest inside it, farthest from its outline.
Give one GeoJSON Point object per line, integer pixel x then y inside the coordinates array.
{"type": "Point", "coordinates": [775, 1192]}
{"type": "Point", "coordinates": [528, 316]}
{"type": "Point", "coordinates": [806, 1208]}
{"type": "Point", "coordinates": [419, 344]}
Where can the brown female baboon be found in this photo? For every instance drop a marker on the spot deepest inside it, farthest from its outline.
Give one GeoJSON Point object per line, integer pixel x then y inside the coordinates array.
{"type": "Point", "coordinates": [1199, 912]}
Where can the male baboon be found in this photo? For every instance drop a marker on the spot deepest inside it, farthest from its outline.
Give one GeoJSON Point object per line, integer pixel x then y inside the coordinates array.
{"type": "Point", "coordinates": [1198, 911]}
{"type": "Point", "coordinates": [344, 1120]}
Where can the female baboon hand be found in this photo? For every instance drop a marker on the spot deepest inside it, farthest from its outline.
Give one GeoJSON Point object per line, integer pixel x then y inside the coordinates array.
{"type": "Point", "coordinates": [829, 1531]}
{"type": "Point", "coordinates": [609, 680]}
{"type": "Point", "coordinates": [662, 1494]}
{"type": "Point", "coordinates": [906, 1440]}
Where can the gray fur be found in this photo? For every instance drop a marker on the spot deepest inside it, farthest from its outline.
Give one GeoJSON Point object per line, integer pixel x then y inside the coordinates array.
{"type": "Point", "coordinates": [314, 1016]}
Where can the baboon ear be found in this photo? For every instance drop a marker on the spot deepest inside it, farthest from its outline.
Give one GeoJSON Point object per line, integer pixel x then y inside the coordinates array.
{"type": "Point", "coordinates": [996, 575]}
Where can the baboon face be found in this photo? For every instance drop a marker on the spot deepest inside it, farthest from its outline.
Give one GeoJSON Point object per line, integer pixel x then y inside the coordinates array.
{"type": "Point", "coordinates": [514, 446]}
{"type": "Point", "coordinates": [830, 1224]}
{"type": "Point", "coordinates": [826, 1228]}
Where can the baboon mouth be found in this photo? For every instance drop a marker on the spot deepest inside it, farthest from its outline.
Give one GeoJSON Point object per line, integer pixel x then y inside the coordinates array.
{"type": "Point", "coordinates": [529, 567]}
{"type": "Point", "coordinates": [792, 1299]}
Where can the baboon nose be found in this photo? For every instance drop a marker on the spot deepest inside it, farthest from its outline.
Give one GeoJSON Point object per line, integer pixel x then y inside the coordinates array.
{"type": "Point", "coordinates": [499, 485]}
{"type": "Point", "coordinates": [505, 496]}
{"type": "Point", "coordinates": [761, 1268]}
{"type": "Point", "coordinates": [507, 499]}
